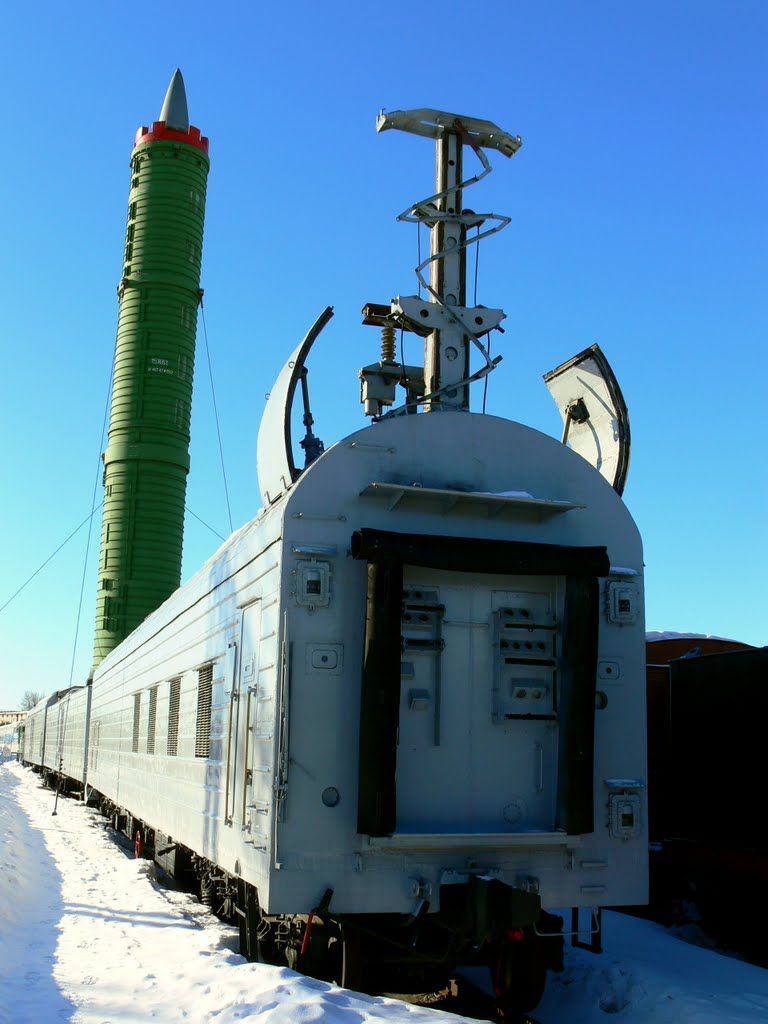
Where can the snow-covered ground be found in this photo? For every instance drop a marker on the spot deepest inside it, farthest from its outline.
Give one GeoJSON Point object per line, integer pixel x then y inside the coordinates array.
{"type": "Point", "coordinates": [88, 936]}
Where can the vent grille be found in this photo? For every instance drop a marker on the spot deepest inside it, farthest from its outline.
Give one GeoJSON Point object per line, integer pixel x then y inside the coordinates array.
{"type": "Point", "coordinates": [94, 745]}
{"type": "Point", "coordinates": [152, 721]}
{"type": "Point", "coordinates": [136, 716]}
{"type": "Point", "coordinates": [174, 696]}
{"type": "Point", "coordinates": [204, 698]}
{"type": "Point", "coordinates": [60, 734]}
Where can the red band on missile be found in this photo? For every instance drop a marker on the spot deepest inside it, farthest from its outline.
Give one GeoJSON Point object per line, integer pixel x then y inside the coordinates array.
{"type": "Point", "coordinates": [159, 131]}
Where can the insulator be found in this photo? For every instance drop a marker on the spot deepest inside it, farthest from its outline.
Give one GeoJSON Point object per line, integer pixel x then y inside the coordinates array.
{"type": "Point", "coordinates": [388, 343]}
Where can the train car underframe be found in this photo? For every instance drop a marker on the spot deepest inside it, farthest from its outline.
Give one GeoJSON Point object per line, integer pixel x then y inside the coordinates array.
{"type": "Point", "coordinates": [482, 923]}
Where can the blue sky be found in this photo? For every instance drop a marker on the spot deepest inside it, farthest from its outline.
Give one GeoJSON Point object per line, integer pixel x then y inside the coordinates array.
{"type": "Point", "coordinates": [638, 207]}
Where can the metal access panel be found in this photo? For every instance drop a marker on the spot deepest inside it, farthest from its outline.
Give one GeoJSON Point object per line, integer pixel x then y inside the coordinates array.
{"type": "Point", "coordinates": [526, 647]}
{"type": "Point", "coordinates": [462, 692]}
{"type": "Point", "coordinates": [595, 417]}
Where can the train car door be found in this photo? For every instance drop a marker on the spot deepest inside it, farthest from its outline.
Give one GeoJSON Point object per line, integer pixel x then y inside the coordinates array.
{"type": "Point", "coordinates": [477, 740]}
{"type": "Point", "coordinates": [248, 812]}
{"type": "Point", "coordinates": [238, 675]}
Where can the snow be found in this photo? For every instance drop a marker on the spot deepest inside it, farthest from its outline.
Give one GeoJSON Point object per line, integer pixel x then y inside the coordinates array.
{"type": "Point", "coordinates": [9, 743]}
{"type": "Point", "coordinates": [507, 494]}
{"type": "Point", "coordinates": [653, 635]}
{"type": "Point", "coordinates": [88, 935]}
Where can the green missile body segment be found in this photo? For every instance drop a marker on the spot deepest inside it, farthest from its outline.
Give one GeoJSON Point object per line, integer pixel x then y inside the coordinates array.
{"type": "Point", "coordinates": [147, 457]}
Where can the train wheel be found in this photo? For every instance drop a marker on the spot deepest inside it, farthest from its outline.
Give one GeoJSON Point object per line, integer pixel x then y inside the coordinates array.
{"type": "Point", "coordinates": [345, 951]}
{"type": "Point", "coordinates": [208, 891]}
{"type": "Point", "coordinates": [520, 972]}
{"type": "Point", "coordinates": [352, 958]}
{"type": "Point", "coordinates": [138, 844]}
{"type": "Point", "coordinates": [249, 918]}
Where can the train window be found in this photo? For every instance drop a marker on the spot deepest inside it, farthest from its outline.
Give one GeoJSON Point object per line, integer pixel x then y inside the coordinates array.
{"type": "Point", "coordinates": [204, 697]}
{"type": "Point", "coordinates": [152, 720]}
{"type": "Point", "coordinates": [174, 696]}
{"type": "Point", "coordinates": [136, 716]}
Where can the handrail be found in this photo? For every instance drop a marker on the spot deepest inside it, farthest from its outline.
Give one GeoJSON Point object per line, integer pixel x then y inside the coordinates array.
{"type": "Point", "coordinates": [232, 698]}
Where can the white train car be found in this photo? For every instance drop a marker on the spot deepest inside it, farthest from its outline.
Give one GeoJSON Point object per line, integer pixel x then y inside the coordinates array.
{"type": "Point", "coordinates": [385, 688]}
{"type": "Point", "coordinates": [400, 716]}
{"type": "Point", "coordinates": [166, 718]}
{"type": "Point", "coordinates": [35, 726]}
{"type": "Point", "coordinates": [65, 735]}
{"type": "Point", "coordinates": [55, 736]}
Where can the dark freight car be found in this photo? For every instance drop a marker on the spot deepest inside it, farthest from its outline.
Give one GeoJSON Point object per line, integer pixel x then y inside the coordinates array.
{"type": "Point", "coordinates": [707, 773]}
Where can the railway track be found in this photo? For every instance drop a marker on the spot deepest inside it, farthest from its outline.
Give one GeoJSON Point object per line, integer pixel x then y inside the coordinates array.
{"type": "Point", "coordinates": [462, 997]}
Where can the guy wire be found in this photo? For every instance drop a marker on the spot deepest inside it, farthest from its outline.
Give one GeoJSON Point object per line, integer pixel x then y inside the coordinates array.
{"type": "Point", "coordinates": [474, 303]}
{"type": "Point", "coordinates": [418, 250]}
{"type": "Point", "coordinates": [216, 416]}
{"type": "Point", "coordinates": [485, 382]}
{"type": "Point", "coordinates": [477, 263]}
{"type": "Point", "coordinates": [90, 520]}
{"type": "Point", "coordinates": [206, 525]}
{"type": "Point", "coordinates": [61, 739]}
{"type": "Point", "coordinates": [53, 554]}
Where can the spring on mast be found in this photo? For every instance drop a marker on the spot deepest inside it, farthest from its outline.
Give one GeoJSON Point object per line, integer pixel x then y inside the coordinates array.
{"type": "Point", "coordinates": [426, 212]}
{"type": "Point", "coordinates": [448, 325]}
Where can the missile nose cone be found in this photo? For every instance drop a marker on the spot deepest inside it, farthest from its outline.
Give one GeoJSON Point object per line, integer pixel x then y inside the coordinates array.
{"type": "Point", "coordinates": [174, 111]}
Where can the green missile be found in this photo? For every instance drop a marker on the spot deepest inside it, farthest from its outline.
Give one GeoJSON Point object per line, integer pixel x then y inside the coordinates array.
{"type": "Point", "coordinates": [147, 457]}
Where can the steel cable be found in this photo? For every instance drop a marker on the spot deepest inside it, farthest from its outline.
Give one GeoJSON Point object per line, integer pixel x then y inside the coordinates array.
{"type": "Point", "coordinates": [216, 416]}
